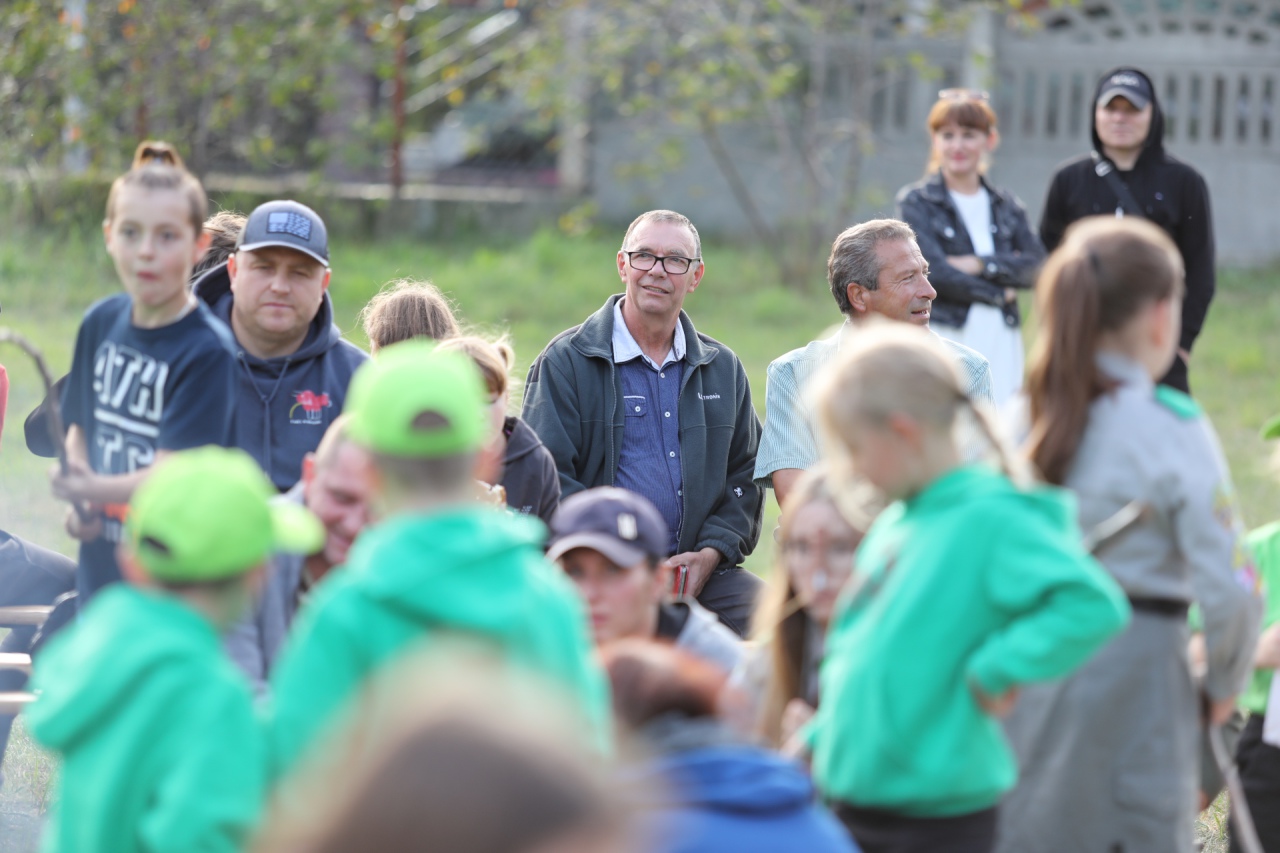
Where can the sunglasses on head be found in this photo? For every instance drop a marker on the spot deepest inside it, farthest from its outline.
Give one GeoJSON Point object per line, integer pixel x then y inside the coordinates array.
{"type": "Point", "coordinates": [963, 95]}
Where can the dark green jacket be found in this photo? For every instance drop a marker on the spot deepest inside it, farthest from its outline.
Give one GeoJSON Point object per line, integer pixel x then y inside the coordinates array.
{"type": "Point", "coordinates": [573, 401]}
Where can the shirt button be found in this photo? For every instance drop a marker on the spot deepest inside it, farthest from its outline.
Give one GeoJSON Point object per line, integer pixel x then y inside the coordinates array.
{"type": "Point", "coordinates": [637, 408]}
{"type": "Point", "coordinates": [666, 414]}
{"type": "Point", "coordinates": [672, 454]}
{"type": "Point", "coordinates": [662, 376]}
{"type": "Point", "coordinates": [679, 493]}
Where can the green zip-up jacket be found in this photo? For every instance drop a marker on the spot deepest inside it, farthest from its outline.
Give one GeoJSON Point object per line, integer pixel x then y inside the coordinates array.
{"type": "Point", "coordinates": [160, 747]}
{"type": "Point", "coordinates": [1265, 543]}
{"type": "Point", "coordinates": [573, 401]}
{"type": "Point", "coordinates": [970, 582]}
{"type": "Point", "coordinates": [418, 579]}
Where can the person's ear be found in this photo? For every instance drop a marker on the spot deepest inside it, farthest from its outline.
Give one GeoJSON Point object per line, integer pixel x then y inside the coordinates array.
{"type": "Point", "coordinates": [130, 568]}
{"type": "Point", "coordinates": [993, 140]}
{"type": "Point", "coordinates": [203, 240]}
{"type": "Point", "coordinates": [858, 297]}
{"type": "Point", "coordinates": [622, 265]}
{"type": "Point", "coordinates": [697, 273]}
{"type": "Point", "coordinates": [906, 428]}
{"type": "Point", "coordinates": [231, 269]}
{"type": "Point", "coordinates": [308, 469]}
{"type": "Point", "coordinates": [328, 273]}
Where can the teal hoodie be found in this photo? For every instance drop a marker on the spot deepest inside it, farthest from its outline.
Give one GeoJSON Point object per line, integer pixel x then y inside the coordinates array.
{"type": "Point", "coordinates": [471, 572]}
{"type": "Point", "coordinates": [971, 581]}
{"type": "Point", "coordinates": [160, 747]}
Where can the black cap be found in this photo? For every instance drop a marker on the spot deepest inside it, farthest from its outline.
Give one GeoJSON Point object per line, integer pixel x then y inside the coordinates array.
{"type": "Point", "coordinates": [288, 224]}
{"type": "Point", "coordinates": [1130, 85]}
{"type": "Point", "coordinates": [619, 524]}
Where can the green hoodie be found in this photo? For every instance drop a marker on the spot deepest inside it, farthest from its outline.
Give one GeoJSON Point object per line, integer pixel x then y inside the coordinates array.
{"type": "Point", "coordinates": [471, 572]}
{"type": "Point", "coordinates": [160, 747]}
{"type": "Point", "coordinates": [1265, 543]}
{"type": "Point", "coordinates": [971, 581]}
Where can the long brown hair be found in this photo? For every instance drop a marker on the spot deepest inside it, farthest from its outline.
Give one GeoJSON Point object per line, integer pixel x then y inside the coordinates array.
{"type": "Point", "coordinates": [157, 166]}
{"type": "Point", "coordinates": [782, 625]}
{"type": "Point", "coordinates": [1103, 274]}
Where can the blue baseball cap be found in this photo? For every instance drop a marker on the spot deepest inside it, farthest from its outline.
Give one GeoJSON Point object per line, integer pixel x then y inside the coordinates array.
{"type": "Point", "coordinates": [623, 526]}
{"type": "Point", "coordinates": [288, 224]}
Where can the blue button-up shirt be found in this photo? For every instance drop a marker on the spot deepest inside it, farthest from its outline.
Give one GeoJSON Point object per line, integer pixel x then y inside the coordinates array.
{"type": "Point", "coordinates": [649, 459]}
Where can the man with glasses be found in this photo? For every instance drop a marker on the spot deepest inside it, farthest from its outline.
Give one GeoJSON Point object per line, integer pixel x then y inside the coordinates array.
{"type": "Point", "coordinates": [636, 398]}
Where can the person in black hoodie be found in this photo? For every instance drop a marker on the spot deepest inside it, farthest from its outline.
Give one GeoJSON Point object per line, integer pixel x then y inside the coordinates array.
{"type": "Point", "coordinates": [294, 364]}
{"type": "Point", "coordinates": [1129, 173]}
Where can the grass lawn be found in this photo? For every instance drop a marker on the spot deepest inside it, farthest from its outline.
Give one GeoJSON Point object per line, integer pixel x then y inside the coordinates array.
{"type": "Point", "coordinates": [534, 288]}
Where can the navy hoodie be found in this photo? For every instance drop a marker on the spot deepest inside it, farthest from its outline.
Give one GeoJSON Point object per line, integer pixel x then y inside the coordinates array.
{"type": "Point", "coordinates": [284, 405]}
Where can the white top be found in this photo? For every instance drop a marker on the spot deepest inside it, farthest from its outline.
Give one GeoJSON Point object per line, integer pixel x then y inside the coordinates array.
{"type": "Point", "coordinates": [975, 213]}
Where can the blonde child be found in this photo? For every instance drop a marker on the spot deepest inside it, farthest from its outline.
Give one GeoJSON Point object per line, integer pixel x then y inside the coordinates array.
{"type": "Point", "coordinates": [966, 587]}
{"type": "Point", "coordinates": [153, 371]}
{"type": "Point", "coordinates": [1110, 756]}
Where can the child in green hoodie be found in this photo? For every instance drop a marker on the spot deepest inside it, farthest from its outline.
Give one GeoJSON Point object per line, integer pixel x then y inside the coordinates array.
{"type": "Point", "coordinates": [436, 565]}
{"type": "Point", "coordinates": [965, 588]}
{"type": "Point", "coordinates": [159, 744]}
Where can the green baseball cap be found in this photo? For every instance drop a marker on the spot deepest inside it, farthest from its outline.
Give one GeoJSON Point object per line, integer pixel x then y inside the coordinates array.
{"type": "Point", "coordinates": [1271, 429]}
{"type": "Point", "coordinates": [415, 401]}
{"type": "Point", "coordinates": [208, 514]}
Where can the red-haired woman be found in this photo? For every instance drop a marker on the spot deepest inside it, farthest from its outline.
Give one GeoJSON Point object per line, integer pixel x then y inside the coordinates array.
{"type": "Point", "coordinates": [975, 236]}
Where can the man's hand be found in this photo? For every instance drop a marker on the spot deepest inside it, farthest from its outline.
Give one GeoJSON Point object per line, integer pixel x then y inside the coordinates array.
{"type": "Point", "coordinates": [701, 564]}
{"type": "Point", "coordinates": [996, 706]}
{"type": "Point", "coordinates": [1268, 654]}
{"type": "Point", "coordinates": [80, 483]}
{"type": "Point", "coordinates": [794, 716]}
{"type": "Point", "coordinates": [970, 264]}
{"type": "Point", "coordinates": [85, 530]}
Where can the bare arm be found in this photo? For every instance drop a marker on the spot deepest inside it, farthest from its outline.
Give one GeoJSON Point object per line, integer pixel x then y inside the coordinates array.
{"type": "Point", "coordinates": [784, 479]}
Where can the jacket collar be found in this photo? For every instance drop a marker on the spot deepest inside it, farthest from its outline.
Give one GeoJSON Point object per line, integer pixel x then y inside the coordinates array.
{"type": "Point", "coordinates": [594, 338]}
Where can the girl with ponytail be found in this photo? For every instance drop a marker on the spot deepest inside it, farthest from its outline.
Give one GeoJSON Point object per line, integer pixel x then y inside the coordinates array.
{"type": "Point", "coordinates": [966, 587]}
{"type": "Point", "coordinates": [1110, 755]}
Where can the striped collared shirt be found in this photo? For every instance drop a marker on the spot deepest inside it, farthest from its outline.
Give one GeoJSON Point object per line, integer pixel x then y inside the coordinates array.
{"type": "Point", "coordinates": [788, 440]}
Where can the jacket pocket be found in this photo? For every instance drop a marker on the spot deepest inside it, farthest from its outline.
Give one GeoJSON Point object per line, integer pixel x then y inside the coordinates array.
{"type": "Point", "coordinates": [635, 407]}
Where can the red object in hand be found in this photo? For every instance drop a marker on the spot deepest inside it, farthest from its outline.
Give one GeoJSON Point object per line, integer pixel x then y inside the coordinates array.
{"type": "Point", "coordinates": [4, 395]}
{"type": "Point", "coordinates": [679, 581]}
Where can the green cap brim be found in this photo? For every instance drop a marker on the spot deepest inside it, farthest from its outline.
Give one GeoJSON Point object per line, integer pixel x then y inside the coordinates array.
{"type": "Point", "coordinates": [1271, 429]}
{"type": "Point", "coordinates": [296, 529]}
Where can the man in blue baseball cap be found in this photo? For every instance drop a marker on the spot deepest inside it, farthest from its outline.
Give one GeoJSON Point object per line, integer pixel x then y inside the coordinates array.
{"type": "Point", "coordinates": [612, 544]}
{"type": "Point", "coordinates": [295, 366]}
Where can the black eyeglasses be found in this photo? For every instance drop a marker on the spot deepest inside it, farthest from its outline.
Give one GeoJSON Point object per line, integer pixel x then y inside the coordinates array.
{"type": "Point", "coordinates": [673, 264]}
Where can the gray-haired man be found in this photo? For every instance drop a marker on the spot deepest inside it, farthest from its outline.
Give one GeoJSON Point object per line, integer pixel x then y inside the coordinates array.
{"type": "Point", "coordinates": [875, 268]}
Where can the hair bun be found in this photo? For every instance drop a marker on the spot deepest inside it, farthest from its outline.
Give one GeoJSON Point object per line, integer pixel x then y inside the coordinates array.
{"type": "Point", "coordinates": [154, 152]}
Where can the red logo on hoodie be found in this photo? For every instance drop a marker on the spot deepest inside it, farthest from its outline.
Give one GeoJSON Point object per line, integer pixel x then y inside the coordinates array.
{"type": "Point", "coordinates": [312, 405]}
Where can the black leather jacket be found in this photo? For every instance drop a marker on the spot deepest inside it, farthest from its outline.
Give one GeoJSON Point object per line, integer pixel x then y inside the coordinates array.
{"type": "Point", "coordinates": [927, 208]}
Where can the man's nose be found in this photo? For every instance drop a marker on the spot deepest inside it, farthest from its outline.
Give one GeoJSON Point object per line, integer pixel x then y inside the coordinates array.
{"type": "Point", "coordinates": [927, 291]}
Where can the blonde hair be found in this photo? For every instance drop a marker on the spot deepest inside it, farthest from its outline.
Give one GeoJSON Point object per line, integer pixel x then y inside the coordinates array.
{"type": "Point", "coordinates": [404, 309]}
{"type": "Point", "coordinates": [157, 166]}
{"type": "Point", "coordinates": [782, 625]}
{"type": "Point", "coordinates": [494, 358]}
{"type": "Point", "coordinates": [893, 368]}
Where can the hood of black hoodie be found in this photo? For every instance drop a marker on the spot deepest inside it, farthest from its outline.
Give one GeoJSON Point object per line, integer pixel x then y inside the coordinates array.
{"type": "Point", "coordinates": [1153, 148]}
{"type": "Point", "coordinates": [214, 289]}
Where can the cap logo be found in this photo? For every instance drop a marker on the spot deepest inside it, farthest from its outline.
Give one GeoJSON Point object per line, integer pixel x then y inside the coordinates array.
{"type": "Point", "coordinates": [429, 421]}
{"type": "Point", "coordinates": [1125, 80]}
{"type": "Point", "coordinates": [627, 527]}
{"type": "Point", "coordinates": [289, 223]}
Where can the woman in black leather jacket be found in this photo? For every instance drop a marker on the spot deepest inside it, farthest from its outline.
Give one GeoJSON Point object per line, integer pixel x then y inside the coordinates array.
{"type": "Point", "coordinates": [976, 237]}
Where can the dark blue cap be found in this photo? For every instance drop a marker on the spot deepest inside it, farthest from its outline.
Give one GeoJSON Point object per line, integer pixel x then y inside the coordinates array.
{"type": "Point", "coordinates": [1133, 87]}
{"type": "Point", "coordinates": [623, 526]}
{"type": "Point", "coordinates": [288, 224]}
